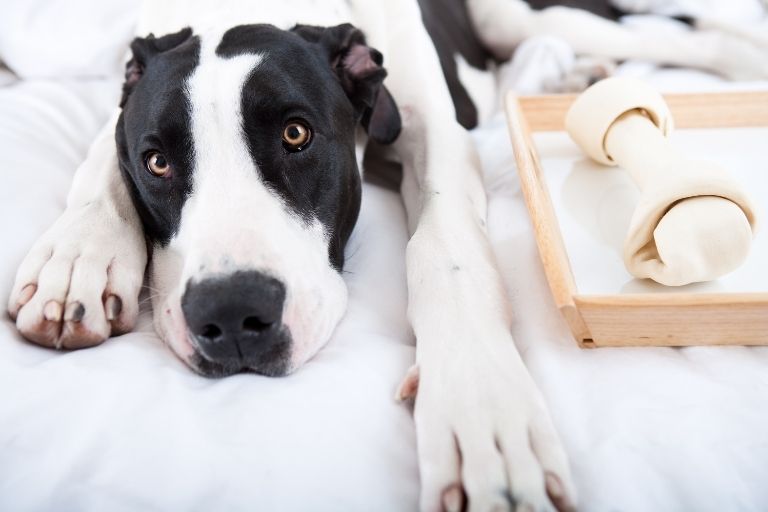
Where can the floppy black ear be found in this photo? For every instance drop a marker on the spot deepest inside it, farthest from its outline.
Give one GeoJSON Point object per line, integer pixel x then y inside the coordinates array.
{"type": "Point", "coordinates": [360, 72]}
{"type": "Point", "coordinates": [143, 49]}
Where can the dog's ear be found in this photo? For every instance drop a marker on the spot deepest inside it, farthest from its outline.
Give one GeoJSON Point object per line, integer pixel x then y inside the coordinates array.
{"type": "Point", "coordinates": [360, 72]}
{"type": "Point", "coordinates": [143, 49]}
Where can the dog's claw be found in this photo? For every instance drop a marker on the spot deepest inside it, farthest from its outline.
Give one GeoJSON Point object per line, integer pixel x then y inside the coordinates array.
{"type": "Point", "coordinates": [25, 295]}
{"type": "Point", "coordinates": [74, 313]}
{"type": "Point", "coordinates": [113, 306]}
{"type": "Point", "coordinates": [453, 499]}
{"type": "Point", "coordinates": [52, 311]}
{"type": "Point", "coordinates": [556, 493]}
{"type": "Point", "coordinates": [409, 386]}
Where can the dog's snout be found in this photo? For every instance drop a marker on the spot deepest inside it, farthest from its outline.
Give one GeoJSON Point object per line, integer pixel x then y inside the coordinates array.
{"type": "Point", "coordinates": [237, 319]}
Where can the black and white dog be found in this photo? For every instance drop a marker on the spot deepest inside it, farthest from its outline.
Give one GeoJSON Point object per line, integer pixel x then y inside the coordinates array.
{"type": "Point", "coordinates": [233, 167]}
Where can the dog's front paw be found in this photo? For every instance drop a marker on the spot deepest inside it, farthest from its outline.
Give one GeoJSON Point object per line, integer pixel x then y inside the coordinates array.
{"type": "Point", "coordinates": [485, 438]}
{"type": "Point", "coordinates": [80, 282]}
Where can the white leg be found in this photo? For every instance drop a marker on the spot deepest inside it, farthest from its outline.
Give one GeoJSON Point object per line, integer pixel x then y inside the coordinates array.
{"type": "Point", "coordinates": [81, 280]}
{"type": "Point", "coordinates": [481, 422]}
{"type": "Point", "coordinates": [503, 24]}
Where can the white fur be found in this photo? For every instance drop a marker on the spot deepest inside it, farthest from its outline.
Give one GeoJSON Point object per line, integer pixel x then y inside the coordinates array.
{"type": "Point", "coordinates": [480, 86]}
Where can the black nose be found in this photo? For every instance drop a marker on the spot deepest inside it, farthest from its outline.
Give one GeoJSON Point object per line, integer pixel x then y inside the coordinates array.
{"type": "Point", "coordinates": [236, 320]}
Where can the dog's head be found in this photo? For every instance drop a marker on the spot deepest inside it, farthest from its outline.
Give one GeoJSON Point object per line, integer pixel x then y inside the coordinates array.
{"type": "Point", "coordinates": [239, 151]}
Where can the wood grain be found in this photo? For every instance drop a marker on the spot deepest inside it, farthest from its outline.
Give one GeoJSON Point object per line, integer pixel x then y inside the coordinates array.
{"type": "Point", "coordinates": [701, 110]}
{"type": "Point", "coordinates": [546, 229]}
{"type": "Point", "coordinates": [676, 319]}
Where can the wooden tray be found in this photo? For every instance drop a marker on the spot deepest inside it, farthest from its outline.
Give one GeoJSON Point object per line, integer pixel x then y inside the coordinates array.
{"type": "Point", "coordinates": [643, 313]}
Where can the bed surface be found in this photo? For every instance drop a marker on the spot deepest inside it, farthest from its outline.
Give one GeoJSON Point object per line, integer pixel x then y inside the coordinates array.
{"type": "Point", "coordinates": [126, 426]}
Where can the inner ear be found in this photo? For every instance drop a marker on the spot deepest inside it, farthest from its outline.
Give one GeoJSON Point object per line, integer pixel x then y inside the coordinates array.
{"type": "Point", "coordinates": [143, 49]}
{"type": "Point", "coordinates": [134, 70]}
{"type": "Point", "coordinates": [361, 74]}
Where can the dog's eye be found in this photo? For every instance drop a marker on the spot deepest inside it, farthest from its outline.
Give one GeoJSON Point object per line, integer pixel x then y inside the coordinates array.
{"type": "Point", "coordinates": [296, 136]}
{"type": "Point", "coordinates": [157, 164]}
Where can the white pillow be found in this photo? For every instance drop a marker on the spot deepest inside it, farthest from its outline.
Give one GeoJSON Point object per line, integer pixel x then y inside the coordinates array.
{"type": "Point", "coordinates": [66, 38]}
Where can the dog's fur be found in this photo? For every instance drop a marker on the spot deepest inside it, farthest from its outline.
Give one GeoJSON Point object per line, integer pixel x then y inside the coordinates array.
{"type": "Point", "coordinates": [250, 232]}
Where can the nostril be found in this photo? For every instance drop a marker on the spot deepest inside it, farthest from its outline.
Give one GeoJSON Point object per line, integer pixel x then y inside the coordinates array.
{"type": "Point", "coordinates": [211, 332]}
{"type": "Point", "coordinates": [254, 324]}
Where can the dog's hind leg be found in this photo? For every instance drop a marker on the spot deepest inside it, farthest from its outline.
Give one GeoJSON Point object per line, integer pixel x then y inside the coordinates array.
{"type": "Point", "coordinates": [80, 282]}
{"type": "Point", "coordinates": [503, 24]}
{"type": "Point", "coordinates": [483, 429]}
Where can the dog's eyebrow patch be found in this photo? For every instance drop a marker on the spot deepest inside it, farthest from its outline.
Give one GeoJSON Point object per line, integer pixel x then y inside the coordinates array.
{"type": "Point", "coordinates": [245, 39]}
{"type": "Point", "coordinates": [158, 113]}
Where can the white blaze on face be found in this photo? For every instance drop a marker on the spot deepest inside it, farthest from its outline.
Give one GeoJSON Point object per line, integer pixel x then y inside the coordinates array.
{"type": "Point", "coordinates": [232, 221]}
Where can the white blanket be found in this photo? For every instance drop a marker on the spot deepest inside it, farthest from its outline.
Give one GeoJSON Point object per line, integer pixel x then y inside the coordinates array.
{"type": "Point", "coordinates": [126, 426]}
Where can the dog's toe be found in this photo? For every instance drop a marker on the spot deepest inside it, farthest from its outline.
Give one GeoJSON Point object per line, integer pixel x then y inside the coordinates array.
{"type": "Point", "coordinates": [525, 477]}
{"type": "Point", "coordinates": [85, 323]}
{"type": "Point", "coordinates": [121, 304]}
{"type": "Point", "coordinates": [484, 475]}
{"type": "Point", "coordinates": [40, 323]}
{"type": "Point", "coordinates": [75, 292]}
{"type": "Point", "coordinates": [50, 315]}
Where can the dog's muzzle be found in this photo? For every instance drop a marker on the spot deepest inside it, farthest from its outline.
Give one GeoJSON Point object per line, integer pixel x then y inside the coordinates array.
{"type": "Point", "coordinates": [235, 322]}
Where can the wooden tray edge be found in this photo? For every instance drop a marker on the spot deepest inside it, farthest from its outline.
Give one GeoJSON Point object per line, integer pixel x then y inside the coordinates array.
{"type": "Point", "coordinates": [582, 313]}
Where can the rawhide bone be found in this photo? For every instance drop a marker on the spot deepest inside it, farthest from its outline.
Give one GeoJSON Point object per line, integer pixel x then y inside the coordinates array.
{"type": "Point", "coordinates": [692, 222]}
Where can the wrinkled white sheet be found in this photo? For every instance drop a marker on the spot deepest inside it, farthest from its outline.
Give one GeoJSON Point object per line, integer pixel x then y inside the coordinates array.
{"type": "Point", "coordinates": [126, 426]}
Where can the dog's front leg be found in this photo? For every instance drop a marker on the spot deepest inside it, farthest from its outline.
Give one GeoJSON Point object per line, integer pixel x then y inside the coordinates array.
{"type": "Point", "coordinates": [80, 282]}
{"type": "Point", "coordinates": [483, 429]}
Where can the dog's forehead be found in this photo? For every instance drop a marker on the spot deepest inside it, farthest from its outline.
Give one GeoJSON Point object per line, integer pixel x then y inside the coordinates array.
{"type": "Point", "coordinates": [260, 38]}
{"type": "Point", "coordinates": [290, 69]}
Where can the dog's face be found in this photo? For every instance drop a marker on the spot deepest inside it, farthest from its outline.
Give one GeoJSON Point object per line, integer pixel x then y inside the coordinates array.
{"type": "Point", "coordinates": [239, 153]}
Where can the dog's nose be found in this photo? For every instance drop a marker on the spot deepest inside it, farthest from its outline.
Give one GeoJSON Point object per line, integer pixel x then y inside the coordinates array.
{"type": "Point", "coordinates": [235, 319]}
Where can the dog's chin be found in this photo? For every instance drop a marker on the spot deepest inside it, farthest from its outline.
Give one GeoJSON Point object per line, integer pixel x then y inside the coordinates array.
{"type": "Point", "coordinates": [207, 368]}
{"type": "Point", "coordinates": [276, 363]}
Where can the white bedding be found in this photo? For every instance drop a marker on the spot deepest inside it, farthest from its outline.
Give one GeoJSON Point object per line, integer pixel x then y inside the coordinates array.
{"type": "Point", "coordinates": [126, 426]}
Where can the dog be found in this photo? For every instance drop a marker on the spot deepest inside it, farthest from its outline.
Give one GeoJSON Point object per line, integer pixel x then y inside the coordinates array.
{"type": "Point", "coordinates": [230, 173]}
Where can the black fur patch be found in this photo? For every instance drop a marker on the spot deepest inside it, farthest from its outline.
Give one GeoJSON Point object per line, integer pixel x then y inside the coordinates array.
{"type": "Point", "coordinates": [450, 28]}
{"type": "Point", "coordinates": [296, 81]}
{"type": "Point", "coordinates": [602, 8]}
{"type": "Point", "coordinates": [157, 117]}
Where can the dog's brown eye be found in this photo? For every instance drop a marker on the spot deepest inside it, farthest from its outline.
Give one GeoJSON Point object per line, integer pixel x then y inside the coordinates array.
{"type": "Point", "coordinates": [296, 136]}
{"type": "Point", "coordinates": [157, 164]}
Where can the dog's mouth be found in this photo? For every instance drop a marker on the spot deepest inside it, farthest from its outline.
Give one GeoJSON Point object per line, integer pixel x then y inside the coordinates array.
{"type": "Point", "coordinates": [274, 363]}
